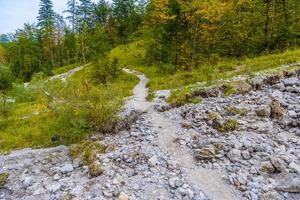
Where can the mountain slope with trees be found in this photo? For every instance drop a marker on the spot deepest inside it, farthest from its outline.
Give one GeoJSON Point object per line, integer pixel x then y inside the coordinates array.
{"type": "Point", "coordinates": [174, 42]}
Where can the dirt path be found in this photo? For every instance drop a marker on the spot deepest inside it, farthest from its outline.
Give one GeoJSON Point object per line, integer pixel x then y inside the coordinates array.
{"type": "Point", "coordinates": [210, 181]}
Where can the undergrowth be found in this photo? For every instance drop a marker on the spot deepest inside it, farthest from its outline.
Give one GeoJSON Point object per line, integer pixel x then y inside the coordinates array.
{"type": "Point", "coordinates": [50, 113]}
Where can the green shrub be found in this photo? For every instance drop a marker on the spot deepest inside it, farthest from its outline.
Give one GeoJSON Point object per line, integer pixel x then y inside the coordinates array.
{"type": "Point", "coordinates": [22, 94]}
{"type": "Point", "coordinates": [229, 125]}
{"type": "Point", "coordinates": [38, 77]}
{"type": "Point", "coordinates": [3, 179]}
{"type": "Point", "coordinates": [5, 78]}
{"type": "Point", "coordinates": [106, 70]}
{"type": "Point", "coordinates": [166, 69]}
{"type": "Point", "coordinates": [5, 106]}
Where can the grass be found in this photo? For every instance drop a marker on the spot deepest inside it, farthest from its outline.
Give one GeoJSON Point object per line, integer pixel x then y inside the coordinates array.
{"type": "Point", "coordinates": [3, 179]}
{"type": "Point", "coordinates": [61, 70]}
{"type": "Point", "coordinates": [87, 153]}
{"type": "Point", "coordinates": [133, 55]}
{"type": "Point", "coordinates": [228, 126]}
{"type": "Point", "coordinates": [77, 108]}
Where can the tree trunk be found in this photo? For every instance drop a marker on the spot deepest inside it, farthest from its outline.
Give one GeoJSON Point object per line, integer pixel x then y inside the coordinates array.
{"type": "Point", "coordinates": [267, 21]}
{"type": "Point", "coordinates": [83, 51]}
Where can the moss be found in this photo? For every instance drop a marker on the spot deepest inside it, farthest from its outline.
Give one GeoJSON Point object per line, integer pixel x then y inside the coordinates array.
{"type": "Point", "coordinates": [229, 125]}
{"type": "Point", "coordinates": [3, 179]}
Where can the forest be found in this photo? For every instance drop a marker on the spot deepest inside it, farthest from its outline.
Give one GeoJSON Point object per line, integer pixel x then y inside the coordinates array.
{"type": "Point", "coordinates": [150, 100]}
{"type": "Point", "coordinates": [174, 42]}
{"type": "Point", "coordinates": [179, 35]}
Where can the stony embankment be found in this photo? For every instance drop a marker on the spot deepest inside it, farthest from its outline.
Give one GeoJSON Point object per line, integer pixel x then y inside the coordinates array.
{"type": "Point", "coordinates": [243, 146]}
{"type": "Point", "coordinates": [252, 138]}
{"type": "Point", "coordinates": [134, 167]}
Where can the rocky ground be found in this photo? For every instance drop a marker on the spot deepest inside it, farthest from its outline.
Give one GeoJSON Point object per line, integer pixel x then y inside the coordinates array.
{"type": "Point", "coordinates": [135, 168]}
{"type": "Point", "coordinates": [253, 138]}
{"type": "Point", "coordinates": [237, 147]}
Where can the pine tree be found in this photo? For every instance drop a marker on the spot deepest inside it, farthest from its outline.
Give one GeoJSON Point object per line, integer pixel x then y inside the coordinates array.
{"type": "Point", "coordinates": [102, 12]}
{"type": "Point", "coordinates": [46, 31]}
{"type": "Point", "coordinates": [85, 11]}
{"type": "Point", "coordinates": [72, 10]}
{"type": "Point", "coordinates": [46, 14]}
{"type": "Point", "coordinates": [127, 18]}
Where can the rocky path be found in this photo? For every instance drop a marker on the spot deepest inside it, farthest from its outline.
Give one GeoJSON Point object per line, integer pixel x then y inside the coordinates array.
{"type": "Point", "coordinates": [210, 181]}
{"type": "Point", "coordinates": [238, 147]}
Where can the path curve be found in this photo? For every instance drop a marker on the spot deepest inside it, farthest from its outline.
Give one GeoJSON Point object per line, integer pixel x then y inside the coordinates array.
{"type": "Point", "coordinates": [209, 181]}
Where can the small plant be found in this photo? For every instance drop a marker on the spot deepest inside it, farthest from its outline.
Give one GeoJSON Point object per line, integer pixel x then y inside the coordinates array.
{"type": "Point", "coordinates": [229, 125]}
{"type": "Point", "coordinates": [236, 111]}
{"type": "Point", "coordinates": [228, 89]}
{"type": "Point", "coordinates": [3, 179]}
{"type": "Point", "coordinates": [150, 96]}
{"type": "Point", "coordinates": [213, 116]}
{"type": "Point", "coordinates": [181, 97]}
{"type": "Point", "coordinates": [95, 169]}
{"type": "Point", "coordinates": [87, 151]}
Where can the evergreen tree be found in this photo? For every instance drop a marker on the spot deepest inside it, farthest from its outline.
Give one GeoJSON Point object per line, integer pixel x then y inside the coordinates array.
{"type": "Point", "coordinates": [126, 15]}
{"type": "Point", "coordinates": [102, 12]}
{"type": "Point", "coordinates": [85, 11]}
{"type": "Point", "coordinates": [72, 10]}
{"type": "Point", "coordinates": [46, 14]}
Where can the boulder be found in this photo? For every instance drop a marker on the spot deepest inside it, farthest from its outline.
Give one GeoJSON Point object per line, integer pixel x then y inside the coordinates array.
{"type": "Point", "coordinates": [272, 195]}
{"type": "Point", "coordinates": [67, 168]}
{"type": "Point", "coordinates": [289, 184]}
{"type": "Point", "coordinates": [123, 196]}
{"type": "Point", "coordinates": [234, 155]}
{"type": "Point", "coordinates": [264, 111]}
{"type": "Point", "coordinates": [273, 79]}
{"type": "Point", "coordinates": [276, 109]}
{"type": "Point", "coordinates": [257, 82]}
{"type": "Point", "coordinates": [267, 167]}
{"type": "Point", "coordinates": [153, 161]}
{"type": "Point", "coordinates": [277, 164]}
{"type": "Point", "coordinates": [205, 153]}
{"type": "Point", "coordinates": [241, 87]}
{"type": "Point", "coordinates": [291, 81]}
{"type": "Point", "coordinates": [246, 155]}
{"type": "Point", "coordinates": [295, 167]}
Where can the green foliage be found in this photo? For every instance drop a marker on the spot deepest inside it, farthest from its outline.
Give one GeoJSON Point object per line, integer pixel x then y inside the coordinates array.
{"type": "Point", "coordinates": [182, 96]}
{"type": "Point", "coordinates": [228, 89]}
{"type": "Point", "coordinates": [5, 107]}
{"type": "Point", "coordinates": [150, 96]}
{"type": "Point", "coordinates": [72, 110]}
{"type": "Point", "coordinates": [229, 125]}
{"type": "Point", "coordinates": [130, 55]}
{"type": "Point", "coordinates": [22, 94]}
{"type": "Point", "coordinates": [87, 151]}
{"type": "Point", "coordinates": [61, 70]}
{"type": "Point", "coordinates": [106, 70]}
{"type": "Point", "coordinates": [236, 111]}
{"type": "Point", "coordinates": [166, 69]}
{"type": "Point", "coordinates": [3, 179]}
{"type": "Point", "coordinates": [5, 78]}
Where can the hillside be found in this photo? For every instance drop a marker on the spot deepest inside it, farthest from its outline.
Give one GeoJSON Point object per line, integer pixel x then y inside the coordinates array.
{"type": "Point", "coordinates": [151, 99]}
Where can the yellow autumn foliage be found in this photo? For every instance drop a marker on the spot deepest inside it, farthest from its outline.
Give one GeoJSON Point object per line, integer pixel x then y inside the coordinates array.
{"type": "Point", "coordinates": [1, 54]}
